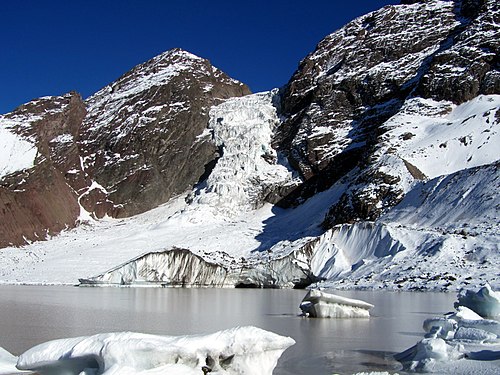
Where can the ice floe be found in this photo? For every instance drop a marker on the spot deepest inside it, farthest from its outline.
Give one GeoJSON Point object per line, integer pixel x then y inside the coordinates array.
{"type": "Point", "coordinates": [242, 350]}
{"type": "Point", "coordinates": [7, 363]}
{"type": "Point", "coordinates": [484, 302]}
{"type": "Point", "coordinates": [462, 340]}
{"type": "Point", "coordinates": [318, 304]}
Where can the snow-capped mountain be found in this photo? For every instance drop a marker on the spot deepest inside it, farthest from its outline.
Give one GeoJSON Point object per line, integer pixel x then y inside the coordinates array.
{"type": "Point", "coordinates": [375, 166]}
{"type": "Point", "coordinates": [126, 149]}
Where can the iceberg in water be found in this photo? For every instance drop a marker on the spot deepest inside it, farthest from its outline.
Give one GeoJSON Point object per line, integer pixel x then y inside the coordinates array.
{"type": "Point", "coordinates": [485, 301]}
{"type": "Point", "coordinates": [8, 363]}
{"type": "Point", "coordinates": [453, 341]}
{"type": "Point", "coordinates": [318, 304]}
{"type": "Point", "coordinates": [242, 350]}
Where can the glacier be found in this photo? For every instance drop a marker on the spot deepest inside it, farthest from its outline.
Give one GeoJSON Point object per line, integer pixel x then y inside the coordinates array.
{"type": "Point", "coordinates": [233, 234]}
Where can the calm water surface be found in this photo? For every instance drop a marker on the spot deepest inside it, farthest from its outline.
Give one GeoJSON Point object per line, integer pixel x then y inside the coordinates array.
{"type": "Point", "coordinates": [33, 314]}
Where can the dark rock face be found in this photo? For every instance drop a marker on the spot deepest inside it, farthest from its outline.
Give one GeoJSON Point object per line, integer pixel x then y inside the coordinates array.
{"type": "Point", "coordinates": [142, 139]}
{"type": "Point", "coordinates": [42, 201]}
{"type": "Point", "coordinates": [470, 64]}
{"type": "Point", "coordinates": [35, 205]}
{"type": "Point", "coordinates": [359, 76]}
{"type": "Point", "coordinates": [125, 150]}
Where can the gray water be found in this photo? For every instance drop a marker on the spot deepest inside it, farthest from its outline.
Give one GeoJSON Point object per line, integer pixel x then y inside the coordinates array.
{"type": "Point", "coordinates": [33, 314]}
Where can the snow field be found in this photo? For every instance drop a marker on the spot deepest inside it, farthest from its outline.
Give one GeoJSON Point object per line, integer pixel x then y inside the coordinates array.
{"type": "Point", "coordinates": [16, 153]}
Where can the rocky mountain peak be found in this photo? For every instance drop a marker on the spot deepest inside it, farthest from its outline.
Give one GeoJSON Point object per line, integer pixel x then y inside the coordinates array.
{"type": "Point", "coordinates": [126, 149]}
{"type": "Point", "coordinates": [141, 134]}
{"type": "Point", "coordinates": [384, 141]}
{"type": "Point", "coordinates": [361, 75]}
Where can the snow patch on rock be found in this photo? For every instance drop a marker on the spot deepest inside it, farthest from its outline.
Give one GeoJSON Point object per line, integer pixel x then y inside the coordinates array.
{"type": "Point", "coordinates": [16, 152]}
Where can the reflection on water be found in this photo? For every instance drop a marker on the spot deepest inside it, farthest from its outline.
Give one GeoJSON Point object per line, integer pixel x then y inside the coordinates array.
{"type": "Point", "coordinates": [31, 315]}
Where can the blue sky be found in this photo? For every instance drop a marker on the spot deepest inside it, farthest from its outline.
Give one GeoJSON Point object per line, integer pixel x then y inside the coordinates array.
{"type": "Point", "coordinates": [52, 47]}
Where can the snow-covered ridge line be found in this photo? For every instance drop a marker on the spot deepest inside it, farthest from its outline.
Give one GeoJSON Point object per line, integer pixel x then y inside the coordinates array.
{"type": "Point", "coordinates": [154, 72]}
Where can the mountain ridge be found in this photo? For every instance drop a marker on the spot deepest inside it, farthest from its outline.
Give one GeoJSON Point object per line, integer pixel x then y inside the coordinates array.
{"type": "Point", "coordinates": [345, 175]}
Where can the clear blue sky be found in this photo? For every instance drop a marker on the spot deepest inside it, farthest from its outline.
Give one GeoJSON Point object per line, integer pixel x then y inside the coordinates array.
{"type": "Point", "coordinates": [55, 46]}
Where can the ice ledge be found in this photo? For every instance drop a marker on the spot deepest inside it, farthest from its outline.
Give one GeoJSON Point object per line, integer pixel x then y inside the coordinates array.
{"type": "Point", "coordinates": [242, 350]}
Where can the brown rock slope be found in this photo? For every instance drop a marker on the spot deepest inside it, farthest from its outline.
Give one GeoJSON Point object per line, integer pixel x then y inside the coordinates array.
{"type": "Point", "coordinates": [123, 151]}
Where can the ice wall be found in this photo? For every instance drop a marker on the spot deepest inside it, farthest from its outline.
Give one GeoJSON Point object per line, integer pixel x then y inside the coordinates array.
{"type": "Point", "coordinates": [181, 267]}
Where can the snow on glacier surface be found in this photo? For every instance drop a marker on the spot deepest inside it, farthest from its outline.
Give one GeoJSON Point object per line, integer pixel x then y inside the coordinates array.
{"type": "Point", "coordinates": [242, 350]}
{"type": "Point", "coordinates": [16, 153]}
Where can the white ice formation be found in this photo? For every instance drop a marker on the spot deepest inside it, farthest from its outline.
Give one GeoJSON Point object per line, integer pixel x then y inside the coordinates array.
{"type": "Point", "coordinates": [455, 340]}
{"type": "Point", "coordinates": [248, 167]}
{"type": "Point", "coordinates": [484, 302]}
{"type": "Point", "coordinates": [242, 350]}
{"type": "Point", "coordinates": [7, 362]}
{"type": "Point", "coordinates": [318, 304]}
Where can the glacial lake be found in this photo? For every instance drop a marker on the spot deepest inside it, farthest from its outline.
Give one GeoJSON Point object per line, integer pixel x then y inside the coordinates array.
{"type": "Point", "coordinates": [33, 314]}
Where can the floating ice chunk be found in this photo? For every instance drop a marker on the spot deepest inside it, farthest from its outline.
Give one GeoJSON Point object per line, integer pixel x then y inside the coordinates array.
{"type": "Point", "coordinates": [318, 304]}
{"type": "Point", "coordinates": [426, 352]}
{"type": "Point", "coordinates": [8, 363]}
{"type": "Point", "coordinates": [464, 313]}
{"type": "Point", "coordinates": [463, 334]}
{"type": "Point", "coordinates": [484, 324]}
{"type": "Point", "coordinates": [431, 348]}
{"type": "Point", "coordinates": [485, 301]}
{"type": "Point", "coordinates": [440, 327]}
{"type": "Point", "coordinates": [474, 334]}
{"type": "Point", "coordinates": [243, 350]}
